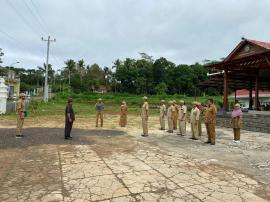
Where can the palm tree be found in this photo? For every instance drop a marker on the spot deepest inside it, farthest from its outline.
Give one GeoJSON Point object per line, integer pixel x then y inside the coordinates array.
{"type": "Point", "coordinates": [81, 69]}
{"type": "Point", "coordinates": [70, 67]}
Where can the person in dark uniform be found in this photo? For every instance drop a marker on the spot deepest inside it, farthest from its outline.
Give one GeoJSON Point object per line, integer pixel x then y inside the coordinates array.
{"type": "Point", "coordinates": [70, 118]}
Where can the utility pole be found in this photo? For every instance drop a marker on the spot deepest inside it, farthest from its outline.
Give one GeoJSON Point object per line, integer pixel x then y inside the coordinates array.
{"type": "Point", "coordinates": [46, 87]}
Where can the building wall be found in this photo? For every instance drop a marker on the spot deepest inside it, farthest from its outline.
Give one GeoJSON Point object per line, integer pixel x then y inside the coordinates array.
{"type": "Point", "coordinates": [258, 123]}
{"type": "Point", "coordinates": [15, 83]}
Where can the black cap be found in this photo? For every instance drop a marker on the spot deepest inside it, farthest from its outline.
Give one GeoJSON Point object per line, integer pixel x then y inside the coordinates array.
{"type": "Point", "coordinates": [70, 100]}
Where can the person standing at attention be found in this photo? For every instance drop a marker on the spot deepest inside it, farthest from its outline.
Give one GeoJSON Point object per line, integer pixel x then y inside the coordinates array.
{"type": "Point", "coordinates": [162, 114]}
{"type": "Point", "coordinates": [174, 115]}
{"type": "Point", "coordinates": [236, 122]}
{"type": "Point", "coordinates": [210, 121]}
{"type": "Point", "coordinates": [170, 117]}
{"type": "Point", "coordinates": [20, 110]}
{"type": "Point", "coordinates": [144, 116]}
{"type": "Point", "coordinates": [194, 121]}
{"type": "Point", "coordinates": [70, 118]}
{"type": "Point", "coordinates": [182, 111]}
{"type": "Point", "coordinates": [99, 112]}
{"type": "Point", "coordinates": [123, 114]}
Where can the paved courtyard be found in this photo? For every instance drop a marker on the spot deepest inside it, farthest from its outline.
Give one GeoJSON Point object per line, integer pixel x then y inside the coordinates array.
{"type": "Point", "coordinates": [115, 164]}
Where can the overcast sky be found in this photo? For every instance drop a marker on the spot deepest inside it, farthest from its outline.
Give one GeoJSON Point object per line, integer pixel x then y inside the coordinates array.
{"type": "Point", "coordinates": [100, 31]}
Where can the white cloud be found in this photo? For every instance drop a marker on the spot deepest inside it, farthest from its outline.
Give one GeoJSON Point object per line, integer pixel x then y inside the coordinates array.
{"type": "Point", "coordinates": [184, 31]}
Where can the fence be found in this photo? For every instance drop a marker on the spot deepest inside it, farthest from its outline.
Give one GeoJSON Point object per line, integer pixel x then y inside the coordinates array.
{"type": "Point", "coordinates": [11, 105]}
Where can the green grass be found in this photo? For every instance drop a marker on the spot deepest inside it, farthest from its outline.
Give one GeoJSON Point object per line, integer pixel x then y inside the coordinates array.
{"type": "Point", "coordinates": [84, 103]}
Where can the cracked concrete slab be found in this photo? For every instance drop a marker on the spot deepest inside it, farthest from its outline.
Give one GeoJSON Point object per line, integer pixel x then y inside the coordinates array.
{"type": "Point", "coordinates": [116, 168]}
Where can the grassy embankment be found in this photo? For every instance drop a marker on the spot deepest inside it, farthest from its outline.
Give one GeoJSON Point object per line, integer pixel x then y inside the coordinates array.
{"type": "Point", "coordinates": [84, 103]}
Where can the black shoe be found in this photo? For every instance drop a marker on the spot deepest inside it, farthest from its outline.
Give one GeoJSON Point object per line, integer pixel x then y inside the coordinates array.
{"type": "Point", "coordinates": [207, 142]}
{"type": "Point", "coordinates": [162, 129]}
{"type": "Point", "coordinates": [143, 135]}
{"type": "Point", "coordinates": [18, 136]}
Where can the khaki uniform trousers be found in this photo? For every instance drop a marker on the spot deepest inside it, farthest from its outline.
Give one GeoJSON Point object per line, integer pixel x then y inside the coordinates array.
{"type": "Point", "coordinates": [123, 119]}
{"type": "Point", "coordinates": [200, 127]}
{"type": "Point", "coordinates": [99, 115]}
{"type": "Point", "coordinates": [236, 132]}
{"type": "Point", "coordinates": [20, 123]}
{"type": "Point", "coordinates": [162, 122]}
{"type": "Point", "coordinates": [210, 129]}
{"type": "Point", "coordinates": [182, 127]}
{"type": "Point", "coordinates": [145, 125]}
{"type": "Point", "coordinates": [195, 130]}
{"type": "Point", "coordinates": [174, 116]}
{"type": "Point", "coordinates": [170, 123]}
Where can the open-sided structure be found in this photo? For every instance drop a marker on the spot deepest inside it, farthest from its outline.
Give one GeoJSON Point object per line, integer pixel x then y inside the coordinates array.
{"type": "Point", "coordinates": [246, 67]}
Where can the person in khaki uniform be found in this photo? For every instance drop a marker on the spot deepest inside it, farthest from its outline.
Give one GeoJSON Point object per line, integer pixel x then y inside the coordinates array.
{"type": "Point", "coordinates": [236, 122]}
{"type": "Point", "coordinates": [182, 111]}
{"type": "Point", "coordinates": [200, 107]}
{"type": "Point", "coordinates": [174, 114]}
{"type": "Point", "coordinates": [162, 114]}
{"type": "Point", "coordinates": [123, 114]}
{"type": "Point", "coordinates": [99, 112]}
{"type": "Point", "coordinates": [210, 121]}
{"type": "Point", "coordinates": [170, 117]}
{"type": "Point", "coordinates": [144, 116]}
{"type": "Point", "coordinates": [194, 121]}
{"type": "Point", "coordinates": [20, 110]}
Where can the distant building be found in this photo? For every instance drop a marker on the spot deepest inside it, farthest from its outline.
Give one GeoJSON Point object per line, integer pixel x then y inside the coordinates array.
{"type": "Point", "coordinates": [243, 97]}
{"type": "Point", "coordinates": [102, 89]}
{"type": "Point", "coordinates": [13, 84]}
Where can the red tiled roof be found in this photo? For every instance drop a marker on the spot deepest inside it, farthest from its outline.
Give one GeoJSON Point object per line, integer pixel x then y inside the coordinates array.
{"type": "Point", "coordinates": [260, 43]}
{"type": "Point", "coordinates": [246, 92]}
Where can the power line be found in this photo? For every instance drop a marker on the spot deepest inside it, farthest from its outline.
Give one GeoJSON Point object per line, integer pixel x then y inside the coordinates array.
{"type": "Point", "coordinates": [34, 15]}
{"type": "Point", "coordinates": [22, 17]}
{"type": "Point", "coordinates": [39, 15]}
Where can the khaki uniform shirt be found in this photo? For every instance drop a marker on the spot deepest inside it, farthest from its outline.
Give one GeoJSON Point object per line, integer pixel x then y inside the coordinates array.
{"type": "Point", "coordinates": [195, 115]}
{"type": "Point", "coordinates": [123, 109]}
{"type": "Point", "coordinates": [210, 115]}
{"type": "Point", "coordinates": [20, 106]}
{"type": "Point", "coordinates": [169, 113]}
{"type": "Point", "coordinates": [237, 122]}
{"type": "Point", "coordinates": [162, 110]}
{"type": "Point", "coordinates": [145, 109]}
{"type": "Point", "coordinates": [182, 111]}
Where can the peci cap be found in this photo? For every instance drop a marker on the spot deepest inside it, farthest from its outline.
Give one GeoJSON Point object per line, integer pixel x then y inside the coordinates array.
{"type": "Point", "coordinates": [181, 101]}
{"type": "Point", "coordinates": [22, 95]}
{"type": "Point", "coordinates": [162, 101]}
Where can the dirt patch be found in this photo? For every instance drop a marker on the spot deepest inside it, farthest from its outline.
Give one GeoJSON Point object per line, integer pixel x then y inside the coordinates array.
{"type": "Point", "coordinates": [107, 146]}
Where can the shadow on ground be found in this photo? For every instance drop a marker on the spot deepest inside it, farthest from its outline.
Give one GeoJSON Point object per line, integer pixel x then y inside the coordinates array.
{"type": "Point", "coordinates": [39, 136]}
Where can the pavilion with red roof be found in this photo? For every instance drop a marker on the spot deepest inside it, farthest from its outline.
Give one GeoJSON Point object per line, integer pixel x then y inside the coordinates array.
{"type": "Point", "coordinates": [246, 67]}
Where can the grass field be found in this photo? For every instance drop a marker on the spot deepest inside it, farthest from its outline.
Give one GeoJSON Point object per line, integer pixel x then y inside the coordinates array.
{"type": "Point", "coordinates": [84, 103]}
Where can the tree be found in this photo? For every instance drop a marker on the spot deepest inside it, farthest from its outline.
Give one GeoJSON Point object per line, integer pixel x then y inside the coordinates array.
{"type": "Point", "coordinates": [81, 69]}
{"type": "Point", "coordinates": [161, 88]}
{"type": "Point", "coordinates": [1, 54]}
{"type": "Point", "coordinates": [69, 68]}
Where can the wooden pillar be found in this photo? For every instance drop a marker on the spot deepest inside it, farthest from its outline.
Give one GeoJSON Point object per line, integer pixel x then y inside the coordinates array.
{"type": "Point", "coordinates": [257, 92]}
{"type": "Point", "coordinates": [225, 88]}
{"type": "Point", "coordinates": [250, 96]}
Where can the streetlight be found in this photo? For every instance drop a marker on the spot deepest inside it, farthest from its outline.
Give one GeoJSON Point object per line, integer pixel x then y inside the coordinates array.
{"type": "Point", "coordinates": [9, 76]}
